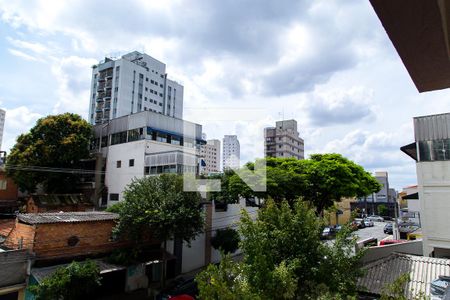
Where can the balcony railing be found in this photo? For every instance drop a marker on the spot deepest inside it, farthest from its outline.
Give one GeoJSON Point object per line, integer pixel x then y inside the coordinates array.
{"type": "Point", "coordinates": [108, 84]}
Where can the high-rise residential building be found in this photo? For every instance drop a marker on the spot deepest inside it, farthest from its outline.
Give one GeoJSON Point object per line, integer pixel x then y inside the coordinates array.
{"type": "Point", "coordinates": [210, 154]}
{"type": "Point", "coordinates": [231, 152]}
{"type": "Point", "coordinates": [133, 83]}
{"type": "Point", "coordinates": [2, 124]}
{"type": "Point", "coordinates": [431, 151]}
{"type": "Point", "coordinates": [284, 140]}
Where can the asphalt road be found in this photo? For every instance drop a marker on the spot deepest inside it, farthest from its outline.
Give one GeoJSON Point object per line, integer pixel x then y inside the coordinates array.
{"type": "Point", "coordinates": [372, 232]}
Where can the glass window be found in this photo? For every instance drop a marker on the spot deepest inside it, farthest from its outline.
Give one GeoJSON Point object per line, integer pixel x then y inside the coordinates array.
{"type": "Point", "coordinates": [114, 197]}
{"type": "Point", "coordinates": [3, 184]}
{"type": "Point", "coordinates": [119, 164]}
{"type": "Point", "coordinates": [175, 140]}
{"type": "Point", "coordinates": [119, 138]}
{"type": "Point", "coordinates": [131, 163]}
{"type": "Point", "coordinates": [146, 170]}
{"type": "Point", "coordinates": [161, 137]}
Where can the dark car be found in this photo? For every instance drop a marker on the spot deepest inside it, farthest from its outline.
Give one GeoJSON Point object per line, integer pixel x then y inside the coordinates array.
{"type": "Point", "coordinates": [328, 233]}
{"type": "Point", "coordinates": [187, 287]}
{"type": "Point", "coordinates": [359, 223]}
{"type": "Point", "coordinates": [388, 228]}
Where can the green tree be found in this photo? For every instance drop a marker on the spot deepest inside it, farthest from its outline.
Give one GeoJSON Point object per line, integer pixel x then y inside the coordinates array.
{"type": "Point", "coordinates": [226, 240]}
{"type": "Point", "coordinates": [321, 180]}
{"type": "Point", "coordinates": [55, 142]}
{"type": "Point", "coordinates": [76, 281]}
{"type": "Point", "coordinates": [283, 257]}
{"type": "Point", "coordinates": [158, 206]}
{"type": "Point", "coordinates": [382, 210]}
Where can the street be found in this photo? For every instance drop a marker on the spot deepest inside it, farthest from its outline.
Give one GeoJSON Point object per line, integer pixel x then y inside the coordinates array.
{"type": "Point", "coordinates": [376, 232]}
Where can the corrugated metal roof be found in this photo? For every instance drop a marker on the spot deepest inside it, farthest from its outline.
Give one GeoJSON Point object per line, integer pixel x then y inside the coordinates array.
{"type": "Point", "coordinates": [66, 217]}
{"type": "Point", "coordinates": [105, 267]}
{"type": "Point", "coordinates": [422, 271]}
{"type": "Point", "coordinates": [433, 127]}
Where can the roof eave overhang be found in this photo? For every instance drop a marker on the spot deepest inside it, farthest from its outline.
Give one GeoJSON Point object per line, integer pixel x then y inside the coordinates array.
{"type": "Point", "coordinates": [419, 31]}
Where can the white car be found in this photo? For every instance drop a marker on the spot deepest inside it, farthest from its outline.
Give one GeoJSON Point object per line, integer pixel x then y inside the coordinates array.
{"type": "Point", "coordinates": [375, 218]}
{"type": "Point", "coordinates": [368, 223]}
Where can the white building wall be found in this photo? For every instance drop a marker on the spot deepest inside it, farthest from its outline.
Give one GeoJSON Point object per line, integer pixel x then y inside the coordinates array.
{"type": "Point", "coordinates": [231, 152]}
{"type": "Point", "coordinates": [2, 125]}
{"type": "Point", "coordinates": [194, 256]}
{"type": "Point", "coordinates": [116, 179]}
{"type": "Point", "coordinates": [434, 197]}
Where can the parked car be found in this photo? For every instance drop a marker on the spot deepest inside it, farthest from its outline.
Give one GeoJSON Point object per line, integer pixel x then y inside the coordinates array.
{"type": "Point", "coordinates": [328, 233]}
{"type": "Point", "coordinates": [375, 218]}
{"type": "Point", "coordinates": [368, 223]}
{"type": "Point", "coordinates": [439, 286]}
{"type": "Point", "coordinates": [359, 223]}
{"type": "Point", "coordinates": [388, 228]}
{"type": "Point", "coordinates": [186, 287]}
{"type": "Point", "coordinates": [337, 228]}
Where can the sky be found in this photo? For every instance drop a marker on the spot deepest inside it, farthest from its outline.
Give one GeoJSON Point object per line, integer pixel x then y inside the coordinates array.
{"type": "Point", "coordinates": [244, 65]}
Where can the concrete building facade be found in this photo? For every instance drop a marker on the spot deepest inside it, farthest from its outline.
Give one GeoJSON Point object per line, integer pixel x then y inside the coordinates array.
{"type": "Point", "coordinates": [2, 125]}
{"type": "Point", "coordinates": [146, 143]}
{"type": "Point", "coordinates": [136, 82]}
{"type": "Point", "coordinates": [431, 151]}
{"type": "Point", "coordinates": [210, 154]}
{"type": "Point", "coordinates": [231, 152]}
{"type": "Point", "coordinates": [284, 140]}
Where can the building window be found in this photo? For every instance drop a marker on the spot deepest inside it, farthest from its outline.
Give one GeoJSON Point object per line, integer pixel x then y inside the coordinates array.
{"type": "Point", "coordinates": [131, 163]}
{"type": "Point", "coordinates": [114, 197]}
{"type": "Point", "coordinates": [118, 164]}
{"type": "Point", "coordinates": [146, 170]}
{"type": "Point", "coordinates": [3, 184]}
{"type": "Point", "coordinates": [73, 241]}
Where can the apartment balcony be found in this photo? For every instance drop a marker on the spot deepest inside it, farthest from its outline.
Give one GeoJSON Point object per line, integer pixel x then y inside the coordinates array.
{"type": "Point", "coordinates": [108, 84]}
{"type": "Point", "coordinates": [99, 100]}
{"type": "Point", "coordinates": [107, 95]}
{"type": "Point", "coordinates": [107, 105]}
{"type": "Point", "coordinates": [109, 74]}
{"type": "Point", "coordinates": [101, 95]}
{"type": "Point", "coordinates": [100, 87]}
{"type": "Point", "coordinates": [101, 78]}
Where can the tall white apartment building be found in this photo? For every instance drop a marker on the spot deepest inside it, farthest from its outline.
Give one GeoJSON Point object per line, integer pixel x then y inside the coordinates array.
{"type": "Point", "coordinates": [210, 154]}
{"type": "Point", "coordinates": [136, 82]}
{"type": "Point", "coordinates": [2, 124]}
{"type": "Point", "coordinates": [231, 152]}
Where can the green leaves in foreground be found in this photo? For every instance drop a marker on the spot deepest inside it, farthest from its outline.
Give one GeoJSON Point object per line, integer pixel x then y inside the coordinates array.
{"type": "Point", "coordinates": [283, 258]}
{"type": "Point", "coordinates": [75, 281]}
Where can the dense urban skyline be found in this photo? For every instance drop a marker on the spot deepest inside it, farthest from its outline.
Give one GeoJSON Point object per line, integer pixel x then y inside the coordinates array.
{"type": "Point", "coordinates": [327, 64]}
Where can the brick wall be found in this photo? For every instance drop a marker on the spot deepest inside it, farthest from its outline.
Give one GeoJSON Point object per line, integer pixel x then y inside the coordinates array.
{"type": "Point", "coordinates": [11, 192]}
{"type": "Point", "coordinates": [52, 240]}
{"type": "Point", "coordinates": [21, 236]}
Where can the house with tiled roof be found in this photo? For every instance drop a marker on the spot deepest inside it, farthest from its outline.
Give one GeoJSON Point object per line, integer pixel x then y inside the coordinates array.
{"type": "Point", "coordinates": [422, 271]}
{"type": "Point", "coordinates": [64, 235]}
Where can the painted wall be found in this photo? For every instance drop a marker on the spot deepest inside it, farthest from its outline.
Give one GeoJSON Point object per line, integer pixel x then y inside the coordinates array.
{"type": "Point", "coordinates": [194, 256]}
{"type": "Point", "coordinates": [434, 198]}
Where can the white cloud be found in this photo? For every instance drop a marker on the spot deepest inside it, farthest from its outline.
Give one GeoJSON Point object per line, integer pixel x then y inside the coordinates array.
{"type": "Point", "coordinates": [23, 55]}
{"type": "Point", "coordinates": [72, 84]}
{"type": "Point", "coordinates": [17, 120]}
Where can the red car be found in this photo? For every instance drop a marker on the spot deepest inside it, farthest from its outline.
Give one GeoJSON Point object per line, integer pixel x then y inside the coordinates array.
{"type": "Point", "coordinates": [390, 242]}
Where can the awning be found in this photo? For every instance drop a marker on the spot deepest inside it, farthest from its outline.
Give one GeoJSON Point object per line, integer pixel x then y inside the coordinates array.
{"type": "Point", "coordinates": [411, 196]}
{"type": "Point", "coordinates": [410, 150]}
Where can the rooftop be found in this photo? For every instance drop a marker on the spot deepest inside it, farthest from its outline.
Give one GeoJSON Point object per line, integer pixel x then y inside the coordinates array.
{"type": "Point", "coordinates": [422, 270]}
{"type": "Point", "coordinates": [66, 217]}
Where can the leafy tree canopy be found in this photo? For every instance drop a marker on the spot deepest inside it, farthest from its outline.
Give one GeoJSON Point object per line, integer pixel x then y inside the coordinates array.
{"type": "Point", "coordinates": [76, 281]}
{"type": "Point", "coordinates": [158, 204]}
{"type": "Point", "coordinates": [226, 240]}
{"type": "Point", "coordinates": [285, 259]}
{"type": "Point", "coordinates": [58, 141]}
{"type": "Point", "coordinates": [321, 180]}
